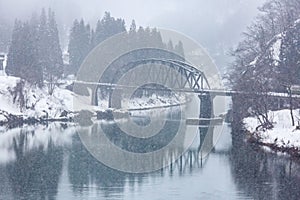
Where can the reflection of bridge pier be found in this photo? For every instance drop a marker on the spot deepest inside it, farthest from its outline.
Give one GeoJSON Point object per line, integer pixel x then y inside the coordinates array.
{"type": "Point", "coordinates": [206, 134]}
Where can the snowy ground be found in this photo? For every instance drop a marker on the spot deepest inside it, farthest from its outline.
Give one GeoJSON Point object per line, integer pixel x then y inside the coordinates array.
{"type": "Point", "coordinates": [283, 135]}
{"type": "Point", "coordinates": [155, 101]}
{"type": "Point", "coordinates": [39, 104]}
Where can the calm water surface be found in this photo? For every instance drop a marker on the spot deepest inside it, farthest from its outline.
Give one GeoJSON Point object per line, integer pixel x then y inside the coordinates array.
{"type": "Point", "coordinates": [50, 162]}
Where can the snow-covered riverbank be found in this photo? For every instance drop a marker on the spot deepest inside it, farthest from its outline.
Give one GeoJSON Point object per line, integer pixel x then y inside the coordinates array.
{"type": "Point", "coordinates": [283, 137]}
{"type": "Point", "coordinates": [34, 103]}
{"type": "Point", "coordinates": [31, 101]}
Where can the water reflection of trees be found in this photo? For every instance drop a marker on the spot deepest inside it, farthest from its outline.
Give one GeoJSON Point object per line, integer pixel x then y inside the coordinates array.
{"type": "Point", "coordinates": [87, 173]}
{"type": "Point", "coordinates": [85, 170]}
{"type": "Point", "coordinates": [263, 175]}
{"type": "Point", "coordinates": [35, 173]}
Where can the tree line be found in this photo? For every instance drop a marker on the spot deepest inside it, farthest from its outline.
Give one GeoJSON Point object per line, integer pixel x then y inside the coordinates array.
{"type": "Point", "coordinates": [35, 53]}
{"type": "Point", "coordinates": [267, 60]}
{"type": "Point", "coordinates": [83, 38]}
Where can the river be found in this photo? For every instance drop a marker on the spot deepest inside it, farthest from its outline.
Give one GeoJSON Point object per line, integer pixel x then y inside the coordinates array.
{"type": "Point", "coordinates": [51, 162]}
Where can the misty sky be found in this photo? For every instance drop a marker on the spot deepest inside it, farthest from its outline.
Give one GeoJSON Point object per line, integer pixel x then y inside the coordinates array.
{"type": "Point", "coordinates": [216, 24]}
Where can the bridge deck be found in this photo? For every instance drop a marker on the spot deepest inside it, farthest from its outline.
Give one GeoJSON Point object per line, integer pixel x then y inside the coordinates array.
{"type": "Point", "coordinates": [211, 92]}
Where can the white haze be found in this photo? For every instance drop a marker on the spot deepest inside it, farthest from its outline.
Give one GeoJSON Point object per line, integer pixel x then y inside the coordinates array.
{"type": "Point", "coordinates": [216, 24]}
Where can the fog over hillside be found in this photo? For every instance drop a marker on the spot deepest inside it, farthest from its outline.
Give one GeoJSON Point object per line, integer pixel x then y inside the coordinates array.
{"type": "Point", "coordinates": [216, 24]}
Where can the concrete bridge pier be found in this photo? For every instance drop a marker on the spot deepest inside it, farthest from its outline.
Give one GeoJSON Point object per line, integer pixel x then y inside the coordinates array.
{"type": "Point", "coordinates": [206, 106]}
{"type": "Point", "coordinates": [206, 111]}
{"type": "Point", "coordinates": [115, 98]}
{"type": "Point", "coordinates": [1, 61]}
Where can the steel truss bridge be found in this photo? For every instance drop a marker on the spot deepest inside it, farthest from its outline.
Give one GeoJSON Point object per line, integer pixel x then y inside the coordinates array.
{"type": "Point", "coordinates": [188, 79]}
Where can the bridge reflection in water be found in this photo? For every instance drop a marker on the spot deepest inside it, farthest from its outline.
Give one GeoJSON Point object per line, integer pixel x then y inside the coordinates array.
{"type": "Point", "coordinates": [177, 147]}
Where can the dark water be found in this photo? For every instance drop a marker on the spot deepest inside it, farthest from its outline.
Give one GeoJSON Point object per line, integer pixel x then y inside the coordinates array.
{"type": "Point", "coordinates": [51, 163]}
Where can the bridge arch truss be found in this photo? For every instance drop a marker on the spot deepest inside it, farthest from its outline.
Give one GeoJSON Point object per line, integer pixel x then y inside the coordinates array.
{"type": "Point", "coordinates": [187, 76]}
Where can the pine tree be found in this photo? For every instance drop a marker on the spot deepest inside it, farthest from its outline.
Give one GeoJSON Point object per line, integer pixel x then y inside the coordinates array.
{"type": "Point", "coordinates": [85, 33]}
{"type": "Point", "coordinates": [170, 45]}
{"type": "Point", "coordinates": [30, 69]}
{"type": "Point", "coordinates": [13, 62]}
{"type": "Point", "coordinates": [107, 27]}
{"type": "Point", "coordinates": [92, 40]}
{"type": "Point", "coordinates": [80, 44]}
{"type": "Point", "coordinates": [132, 27]}
{"type": "Point", "coordinates": [54, 68]}
{"type": "Point", "coordinates": [5, 31]}
{"type": "Point", "coordinates": [83, 38]}
{"type": "Point", "coordinates": [156, 38]}
{"type": "Point", "coordinates": [43, 40]}
{"type": "Point", "coordinates": [23, 54]}
{"type": "Point", "coordinates": [35, 53]}
{"type": "Point", "coordinates": [74, 48]}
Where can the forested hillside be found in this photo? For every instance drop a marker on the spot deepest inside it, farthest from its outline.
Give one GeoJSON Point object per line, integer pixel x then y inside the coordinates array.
{"type": "Point", "coordinates": [267, 60]}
